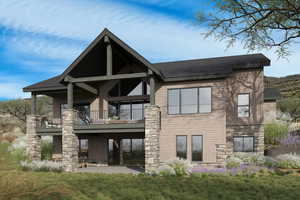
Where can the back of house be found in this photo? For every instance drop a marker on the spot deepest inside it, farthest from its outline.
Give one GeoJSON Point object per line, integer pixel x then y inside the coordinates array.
{"type": "Point", "coordinates": [111, 106]}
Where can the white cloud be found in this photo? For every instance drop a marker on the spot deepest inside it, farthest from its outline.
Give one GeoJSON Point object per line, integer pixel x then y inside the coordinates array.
{"type": "Point", "coordinates": [155, 36]}
{"type": "Point", "coordinates": [11, 87]}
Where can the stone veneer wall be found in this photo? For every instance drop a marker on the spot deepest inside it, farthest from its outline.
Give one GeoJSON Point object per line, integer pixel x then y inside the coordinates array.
{"type": "Point", "coordinates": [247, 130]}
{"type": "Point", "coordinates": [152, 127]}
{"type": "Point", "coordinates": [33, 140]}
{"type": "Point", "coordinates": [70, 142]}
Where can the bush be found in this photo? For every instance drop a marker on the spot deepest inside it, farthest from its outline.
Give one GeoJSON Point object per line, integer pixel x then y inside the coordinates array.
{"type": "Point", "coordinates": [176, 167]}
{"type": "Point", "coordinates": [233, 162]}
{"type": "Point", "coordinates": [165, 170]}
{"type": "Point", "coordinates": [274, 132]}
{"type": "Point", "coordinates": [42, 166]}
{"type": "Point", "coordinates": [181, 167]}
{"type": "Point", "coordinates": [288, 161]}
{"type": "Point", "coordinates": [47, 150]}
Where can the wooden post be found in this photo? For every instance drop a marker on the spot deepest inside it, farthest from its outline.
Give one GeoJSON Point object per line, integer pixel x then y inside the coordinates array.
{"type": "Point", "coordinates": [108, 56]}
{"type": "Point", "coordinates": [33, 103]}
{"type": "Point", "coordinates": [152, 90]}
{"type": "Point", "coordinates": [70, 95]}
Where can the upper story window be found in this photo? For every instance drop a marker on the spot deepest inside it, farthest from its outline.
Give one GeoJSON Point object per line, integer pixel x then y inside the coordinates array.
{"type": "Point", "coordinates": [189, 100]}
{"type": "Point", "coordinates": [243, 105]}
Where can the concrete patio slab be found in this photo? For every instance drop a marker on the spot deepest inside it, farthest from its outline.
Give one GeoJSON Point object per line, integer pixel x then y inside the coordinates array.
{"type": "Point", "coordinates": [112, 170]}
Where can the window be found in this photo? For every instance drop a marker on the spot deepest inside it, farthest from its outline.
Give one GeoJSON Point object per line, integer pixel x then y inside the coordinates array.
{"type": "Point", "coordinates": [189, 100]}
{"type": "Point", "coordinates": [243, 105]}
{"type": "Point", "coordinates": [173, 101]}
{"type": "Point", "coordinates": [127, 111]}
{"type": "Point", "coordinates": [197, 148]}
{"type": "Point", "coordinates": [243, 144]}
{"type": "Point", "coordinates": [204, 100]}
{"type": "Point", "coordinates": [181, 146]}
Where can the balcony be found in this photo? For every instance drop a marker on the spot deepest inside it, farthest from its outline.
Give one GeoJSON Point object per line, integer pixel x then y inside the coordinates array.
{"type": "Point", "coordinates": [85, 122]}
{"type": "Point", "coordinates": [112, 121]}
{"type": "Point", "coordinates": [48, 125]}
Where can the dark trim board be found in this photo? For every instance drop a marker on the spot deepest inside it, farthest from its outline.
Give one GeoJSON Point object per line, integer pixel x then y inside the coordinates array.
{"type": "Point", "coordinates": [100, 131]}
{"type": "Point", "coordinates": [107, 77]}
{"type": "Point", "coordinates": [49, 131]}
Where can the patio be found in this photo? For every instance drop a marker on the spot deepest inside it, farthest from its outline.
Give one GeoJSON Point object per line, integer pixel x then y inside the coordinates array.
{"type": "Point", "coordinates": [112, 170]}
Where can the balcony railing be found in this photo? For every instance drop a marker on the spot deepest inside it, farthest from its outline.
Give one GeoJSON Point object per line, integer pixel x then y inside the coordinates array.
{"type": "Point", "coordinates": [109, 117]}
{"type": "Point", "coordinates": [49, 122]}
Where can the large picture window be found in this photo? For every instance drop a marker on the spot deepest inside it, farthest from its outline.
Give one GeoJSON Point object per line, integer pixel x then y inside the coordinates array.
{"type": "Point", "coordinates": [181, 146]}
{"type": "Point", "coordinates": [197, 148]}
{"type": "Point", "coordinates": [189, 100]}
{"type": "Point", "coordinates": [243, 105]}
{"type": "Point", "coordinates": [243, 144]}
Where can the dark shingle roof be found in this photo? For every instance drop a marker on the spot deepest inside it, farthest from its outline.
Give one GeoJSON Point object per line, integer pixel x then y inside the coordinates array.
{"type": "Point", "coordinates": [211, 66]}
{"type": "Point", "coordinates": [182, 70]}
{"type": "Point", "coordinates": [271, 94]}
{"type": "Point", "coordinates": [46, 85]}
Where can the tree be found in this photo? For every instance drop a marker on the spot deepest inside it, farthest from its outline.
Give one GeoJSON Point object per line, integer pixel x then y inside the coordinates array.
{"type": "Point", "coordinates": [259, 24]}
{"type": "Point", "coordinates": [290, 106]}
{"type": "Point", "coordinates": [21, 107]}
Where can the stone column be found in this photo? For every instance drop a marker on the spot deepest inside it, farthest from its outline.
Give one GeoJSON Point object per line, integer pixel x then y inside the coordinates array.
{"type": "Point", "coordinates": [70, 142]}
{"type": "Point", "coordinates": [33, 140]}
{"type": "Point", "coordinates": [152, 128]}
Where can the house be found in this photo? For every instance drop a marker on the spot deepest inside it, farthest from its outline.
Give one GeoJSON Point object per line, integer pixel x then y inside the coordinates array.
{"type": "Point", "coordinates": [113, 107]}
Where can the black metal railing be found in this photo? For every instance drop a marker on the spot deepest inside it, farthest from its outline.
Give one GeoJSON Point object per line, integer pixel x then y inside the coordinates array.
{"type": "Point", "coordinates": [49, 122]}
{"type": "Point", "coordinates": [110, 116]}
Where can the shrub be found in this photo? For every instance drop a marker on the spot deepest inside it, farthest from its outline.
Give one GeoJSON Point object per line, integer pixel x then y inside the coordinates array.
{"type": "Point", "coordinates": [165, 170]}
{"type": "Point", "coordinates": [233, 162]}
{"type": "Point", "coordinates": [288, 161]}
{"type": "Point", "coordinates": [274, 132]}
{"type": "Point", "coordinates": [47, 150]}
{"type": "Point", "coordinates": [45, 166]}
{"type": "Point", "coordinates": [177, 167]}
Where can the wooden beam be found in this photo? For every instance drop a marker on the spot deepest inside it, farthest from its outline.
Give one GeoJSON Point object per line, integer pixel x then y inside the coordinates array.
{"type": "Point", "coordinates": [70, 95]}
{"type": "Point", "coordinates": [129, 98]}
{"type": "Point", "coordinates": [109, 60]}
{"type": "Point", "coordinates": [152, 90]}
{"type": "Point", "coordinates": [87, 88]}
{"type": "Point", "coordinates": [33, 103]}
{"type": "Point", "coordinates": [107, 78]}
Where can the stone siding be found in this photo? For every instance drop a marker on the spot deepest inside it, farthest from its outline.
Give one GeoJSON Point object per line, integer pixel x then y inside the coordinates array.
{"type": "Point", "coordinates": [70, 142]}
{"type": "Point", "coordinates": [33, 140]}
{"type": "Point", "coordinates": [152, 128]}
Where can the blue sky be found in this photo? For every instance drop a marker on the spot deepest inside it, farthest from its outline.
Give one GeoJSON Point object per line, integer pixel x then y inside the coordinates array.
{"type": "Point", "coordinates": [40, 38]}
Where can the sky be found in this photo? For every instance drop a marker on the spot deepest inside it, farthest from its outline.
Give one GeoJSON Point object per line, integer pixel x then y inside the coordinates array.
{"type": "Point", "coordinates": [40, 38]}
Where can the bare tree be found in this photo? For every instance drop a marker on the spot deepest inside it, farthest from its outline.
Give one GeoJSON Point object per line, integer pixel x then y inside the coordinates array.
{"type": "Point", "coordinates": [259, 24]}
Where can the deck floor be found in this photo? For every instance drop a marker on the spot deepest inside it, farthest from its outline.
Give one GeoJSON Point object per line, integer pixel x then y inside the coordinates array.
{"type": "Point", "coordinates": [112, 170]}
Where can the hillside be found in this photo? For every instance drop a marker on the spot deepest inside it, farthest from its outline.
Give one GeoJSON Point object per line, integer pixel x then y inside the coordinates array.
{"type": "Point", "coordinates": [289, 86]}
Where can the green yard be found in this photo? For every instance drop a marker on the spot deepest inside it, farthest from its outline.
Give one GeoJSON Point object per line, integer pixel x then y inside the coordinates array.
{"type": "Point", "coordinates": [41, 185]}
{"type": "Point", "coordinates": [17, 184]}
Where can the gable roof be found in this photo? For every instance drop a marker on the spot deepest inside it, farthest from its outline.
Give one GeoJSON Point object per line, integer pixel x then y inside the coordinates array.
{"type": "Point", "coordinates": [207, 68]}
{"type": "Point", "coordinates": [113, 37]}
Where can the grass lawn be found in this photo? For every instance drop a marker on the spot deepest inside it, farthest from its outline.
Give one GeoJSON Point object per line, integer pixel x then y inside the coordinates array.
{"type": "Point", "coordinates": [17, 184]}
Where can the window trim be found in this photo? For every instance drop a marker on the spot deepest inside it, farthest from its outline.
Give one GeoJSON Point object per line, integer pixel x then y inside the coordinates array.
{"type": "Point", "coordinates": [186, 145]}
{"type": "Point", "coordinates": [198, 100]}
{"type": "Point", "coordinates": [192, 149]}
{"type": "Point", "coordinates": [238, 106]}
{"type": "Point", "coordinates": [244, 136]}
